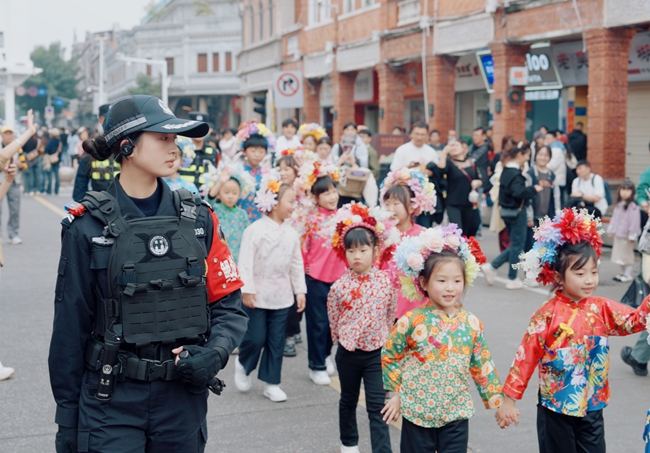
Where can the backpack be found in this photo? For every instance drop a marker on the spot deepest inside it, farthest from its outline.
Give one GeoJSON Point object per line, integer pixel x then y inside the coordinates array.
{"type": "Point", "coordinates": [608, 192]}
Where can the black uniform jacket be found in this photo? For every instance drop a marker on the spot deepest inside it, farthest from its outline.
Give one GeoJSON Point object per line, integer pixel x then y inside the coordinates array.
{"type": "Point", "coordinates": [82, 282]}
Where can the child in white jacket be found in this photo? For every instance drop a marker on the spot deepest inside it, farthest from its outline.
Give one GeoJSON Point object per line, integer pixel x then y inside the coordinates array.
{"type": "Point", "coordinates": [271, 267]}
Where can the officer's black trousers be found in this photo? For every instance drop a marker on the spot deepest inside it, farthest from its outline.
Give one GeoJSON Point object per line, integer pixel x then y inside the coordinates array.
{"type": "Point", "coordinates": [143, 417]}
{"type": "Point", "coordinates": [563, 433]}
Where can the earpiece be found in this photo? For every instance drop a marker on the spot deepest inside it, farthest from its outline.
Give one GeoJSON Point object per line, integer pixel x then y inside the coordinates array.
{"type": "Point", "coordinates": [127, 149]}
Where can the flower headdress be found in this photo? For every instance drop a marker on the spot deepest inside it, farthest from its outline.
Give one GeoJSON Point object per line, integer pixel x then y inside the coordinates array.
{"type": "Point", "coordinates": [425, 192]}
{"type": "Point", "coordinates": [376, 219]}
{"type": "Point", "coordinates": [236, 171]}
{"type": "Point", "coordinates": [188, 150]}
{"type": "Point", "coordinates": [413, 252]}
{"type": "Point", "coordinates": [267, 195]}
{"type": "Point", "coordinates": [311, 171]}
{"type": "Point", "coordinates": [313, 129]}
{"type": "Point", "coordinates": [252, 127]}
{"type": "Point", "coordinates": [571, 226]}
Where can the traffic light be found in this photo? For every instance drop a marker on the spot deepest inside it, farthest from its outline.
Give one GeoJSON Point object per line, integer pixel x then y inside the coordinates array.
{"type": "Point", "coordinates": [261, 101]}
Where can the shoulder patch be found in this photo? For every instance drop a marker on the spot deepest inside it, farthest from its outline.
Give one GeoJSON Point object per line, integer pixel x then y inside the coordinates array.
{"type": "Point", "coordinates": [67, 220]}
{"type": "Point", "coordinates": [101, 240]}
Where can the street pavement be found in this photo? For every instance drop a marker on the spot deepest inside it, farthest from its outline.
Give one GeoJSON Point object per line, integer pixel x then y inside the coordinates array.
{"type": "Point", "coordinates": [308, 421]}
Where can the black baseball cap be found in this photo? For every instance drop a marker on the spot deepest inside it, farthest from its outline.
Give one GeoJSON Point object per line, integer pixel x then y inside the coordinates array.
{"type": "Point", "coordinates": [142, 113]}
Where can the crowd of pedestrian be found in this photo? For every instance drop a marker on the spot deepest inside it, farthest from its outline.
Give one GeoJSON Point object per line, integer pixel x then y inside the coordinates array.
{"type": "Point", "coordinates": [377, 260]}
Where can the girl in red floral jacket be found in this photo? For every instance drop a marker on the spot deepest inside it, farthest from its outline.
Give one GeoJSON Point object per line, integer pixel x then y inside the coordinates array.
{"type": "Point", "coordinates": [361, 308]}
{"type": "Point", "coordinates": [567, 338]}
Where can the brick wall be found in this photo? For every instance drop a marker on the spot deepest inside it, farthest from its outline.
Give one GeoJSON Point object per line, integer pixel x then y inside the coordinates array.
{"type": "Point", "coordinates": [441, 76]}
{"type": "Point", "coordinates": [453, 8]}
{"type": "Point", "coordinates": [343, 84]}
{"type": "Point", "coordinates": [607, 99]}
{"type": "Point", "coordinates": [311, 110]}
{"type": "Point", "coordinates": [556, 16]}
{"type": "Point", "coordinates": [391, 98]}
{"type": "Point", "coordinates": [402, 46]}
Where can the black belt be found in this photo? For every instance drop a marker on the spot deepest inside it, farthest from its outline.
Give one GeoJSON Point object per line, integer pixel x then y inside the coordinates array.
{"type": "Point", "coordinates": [131, 366]}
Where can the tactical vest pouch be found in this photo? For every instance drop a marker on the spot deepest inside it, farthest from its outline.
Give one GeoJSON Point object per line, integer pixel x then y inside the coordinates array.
{"type": "Point", "coordinates": [156, 273]}
{"type": "Point", "coordinates": [157, 303]}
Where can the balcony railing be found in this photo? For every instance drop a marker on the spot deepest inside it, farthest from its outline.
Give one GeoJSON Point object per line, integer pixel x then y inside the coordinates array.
{"type": "Point", "coordinates": [408, 12]}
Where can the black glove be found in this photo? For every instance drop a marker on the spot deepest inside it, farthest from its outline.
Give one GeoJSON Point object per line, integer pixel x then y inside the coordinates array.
{"type": "Point", "coordinates": [199, 365]}
{"type": "Point", "coordinates": [66, 440]}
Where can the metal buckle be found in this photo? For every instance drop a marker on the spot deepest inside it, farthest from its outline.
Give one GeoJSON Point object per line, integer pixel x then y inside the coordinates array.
{"type": "Point", "coordinates": [156, 370]}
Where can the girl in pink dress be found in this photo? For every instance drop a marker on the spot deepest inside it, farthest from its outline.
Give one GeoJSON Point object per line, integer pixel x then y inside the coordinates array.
{"type": "Point", "coordinates": [407, 194]}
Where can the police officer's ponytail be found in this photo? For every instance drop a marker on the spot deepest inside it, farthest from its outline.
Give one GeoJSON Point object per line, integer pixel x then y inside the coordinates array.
{"type": "Point", "coordinates": [99, 149]}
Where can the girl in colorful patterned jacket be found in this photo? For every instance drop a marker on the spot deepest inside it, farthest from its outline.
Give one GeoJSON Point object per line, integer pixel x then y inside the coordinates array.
{"type": "Point", "coordinates": [406, 194]}
{"type": "Point", "coordinates": [432, 350]}
{"type": "Point", "coordinates": [271, 267]}
{"type": "Point", "coordinates": [322, 268]}
{"type": "Point", "coordinates": [232, 184]}
{"type": "Point", "coordinates": [567, 337]}
{"type": "Point", "coordinates": [256, 141]}
{"type": "Point", "coordinates": [361, 307]}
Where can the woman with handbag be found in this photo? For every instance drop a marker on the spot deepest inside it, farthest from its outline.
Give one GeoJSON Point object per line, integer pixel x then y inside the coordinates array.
{"type": "Point", "coordinates": [52, 156]}
{"type": "Point", "coordinates": [514, 197]}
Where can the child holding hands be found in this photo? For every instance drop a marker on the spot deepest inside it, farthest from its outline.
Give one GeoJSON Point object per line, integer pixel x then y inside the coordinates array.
{"type": "Point", "coordinates": [361, 308]}
{"type": "Point", "coordinates": [432, 350]}
{"type": "Point", "coordinates": [567, 337]}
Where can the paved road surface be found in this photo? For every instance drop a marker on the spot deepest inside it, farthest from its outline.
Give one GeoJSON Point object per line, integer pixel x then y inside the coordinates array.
{"type": "Point", "coordinates": [308, 421]}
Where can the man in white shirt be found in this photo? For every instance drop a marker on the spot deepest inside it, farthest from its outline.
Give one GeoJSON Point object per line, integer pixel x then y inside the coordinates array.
{"type": "Point", "coordinates": [417, 152]}
{"type": "Point", "coordinates": [288, 139]}
{"type": "Point", "coordinates": [589, 187]}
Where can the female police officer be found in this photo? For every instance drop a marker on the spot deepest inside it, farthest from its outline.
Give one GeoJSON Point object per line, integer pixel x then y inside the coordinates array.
{"type": "Point", "coordinates": [148, 301]}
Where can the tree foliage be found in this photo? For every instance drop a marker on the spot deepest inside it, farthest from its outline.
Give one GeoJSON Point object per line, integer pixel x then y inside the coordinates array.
{"type": "Point", "coordinates": [146, 85]}
{"type": "Point", "coordinates": [203, 8]}
{"type": "Point", "coordinates": [58, 77]}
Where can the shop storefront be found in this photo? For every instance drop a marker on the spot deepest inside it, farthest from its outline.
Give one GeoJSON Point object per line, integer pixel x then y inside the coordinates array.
{"type": "Point", "coordinates": [638, 102]}
{"type": "Point", "coordinates": [366, 109]}
{"type": "Point", "coordinates": [543, 96]}
{"type": "Point", "coordinates": [326, 99]}
{"type": "Point", "coordinates": [572, 64]}
{"type": "Point", "coordinates": [473, 85]}
{"type": "Point", "coordinates": [413, 95]}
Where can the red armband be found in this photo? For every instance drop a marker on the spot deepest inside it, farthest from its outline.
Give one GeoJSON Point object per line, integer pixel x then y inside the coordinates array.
{"type": "Point", "coordinates": [222, 274]}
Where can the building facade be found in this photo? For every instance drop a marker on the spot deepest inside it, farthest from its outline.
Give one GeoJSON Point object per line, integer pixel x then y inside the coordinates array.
{"type": "Point", "coordinates": [197, 41]}
{"type": "Point", "coordinates": [387, 63]}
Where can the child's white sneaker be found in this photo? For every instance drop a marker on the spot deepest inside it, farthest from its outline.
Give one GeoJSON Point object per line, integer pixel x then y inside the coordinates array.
{"type": "Point", "coordinates": [242, 380]}
{"type": "Point", "coordinates": [489, 272]}
{"type": "Point", "coordinates": [5, 372]}
{"type": "Point", "coordinates": [354, 449]}
{"type": "Point", "coordinates": [329, 363]}
{"type": "Point", "coordinates": [274, 393]}
{"type": "Point", "coordinates": [320, 377]}
{"type": "Point", "coordinates": [515, 284]}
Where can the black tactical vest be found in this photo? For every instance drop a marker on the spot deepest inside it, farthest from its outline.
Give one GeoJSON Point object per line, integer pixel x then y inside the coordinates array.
{"type": "Point", "coordinates": [156, 273]}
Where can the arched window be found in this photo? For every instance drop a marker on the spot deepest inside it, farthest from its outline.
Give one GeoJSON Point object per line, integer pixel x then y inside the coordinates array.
{"type": "Point", "coordinates": [261, 19]}
{"type": "Point", "coordinates": [270, 17]}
